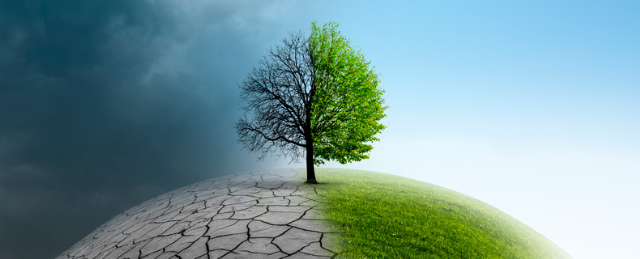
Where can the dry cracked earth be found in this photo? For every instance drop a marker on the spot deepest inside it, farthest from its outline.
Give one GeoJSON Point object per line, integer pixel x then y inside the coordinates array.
{"type": "Point", "coordinates": [267, 214]}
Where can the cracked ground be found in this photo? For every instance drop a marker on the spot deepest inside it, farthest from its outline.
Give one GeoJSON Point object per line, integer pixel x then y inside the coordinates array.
{"type": "Point", "coordinates": [266, 214]}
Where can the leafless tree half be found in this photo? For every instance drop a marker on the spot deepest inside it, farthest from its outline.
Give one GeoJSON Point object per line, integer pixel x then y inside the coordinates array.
{"type": "Point", "coordinates": [279, 94]}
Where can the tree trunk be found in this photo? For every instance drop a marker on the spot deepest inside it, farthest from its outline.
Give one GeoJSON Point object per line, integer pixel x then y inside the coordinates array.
{"type": "Point", "coordinates": [311, 174]}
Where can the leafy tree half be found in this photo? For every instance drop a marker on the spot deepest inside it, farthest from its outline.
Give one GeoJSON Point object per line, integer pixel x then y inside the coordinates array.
{"type": "Point", "coordinates": [347, 105]}
{"type": "Point", "coordinates": [313, 96]}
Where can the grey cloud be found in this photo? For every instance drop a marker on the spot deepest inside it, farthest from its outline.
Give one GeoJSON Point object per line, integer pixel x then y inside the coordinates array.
{"type": "Point", "coordinates": [104, 104]}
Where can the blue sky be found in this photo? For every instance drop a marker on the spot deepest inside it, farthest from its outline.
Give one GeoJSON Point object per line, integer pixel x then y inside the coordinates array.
{"type": "Point", "coordinates": [530, 106]}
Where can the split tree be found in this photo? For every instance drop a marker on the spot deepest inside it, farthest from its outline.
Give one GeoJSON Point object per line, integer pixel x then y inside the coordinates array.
{"type": "Point", "coordinates": [315, 97]}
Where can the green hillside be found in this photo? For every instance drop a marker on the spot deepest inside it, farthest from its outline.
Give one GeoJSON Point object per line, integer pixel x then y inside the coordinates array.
{"type": "Point", "coordinates": [387, 216]}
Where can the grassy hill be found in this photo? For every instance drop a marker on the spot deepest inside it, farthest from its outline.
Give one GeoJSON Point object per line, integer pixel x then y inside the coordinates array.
{"type": "Point", "coordinates": [387, 216]}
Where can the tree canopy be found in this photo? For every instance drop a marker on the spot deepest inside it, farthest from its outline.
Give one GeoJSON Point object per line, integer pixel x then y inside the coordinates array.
{"type": "Point", "coordinates": [316, 97]}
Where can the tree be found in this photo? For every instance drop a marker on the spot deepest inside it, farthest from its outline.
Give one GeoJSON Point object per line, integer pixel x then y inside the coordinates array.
{"type": "Point", "coordinates": [313, 96]}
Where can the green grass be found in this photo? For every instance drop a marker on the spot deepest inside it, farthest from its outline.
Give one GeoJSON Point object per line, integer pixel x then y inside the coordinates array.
{"type": "Point", "coordinates": [387, 216]}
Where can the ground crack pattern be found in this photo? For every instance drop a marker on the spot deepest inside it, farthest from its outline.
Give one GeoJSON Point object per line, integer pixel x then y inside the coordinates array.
{"type": "Point", "coordinates": [266, 214]}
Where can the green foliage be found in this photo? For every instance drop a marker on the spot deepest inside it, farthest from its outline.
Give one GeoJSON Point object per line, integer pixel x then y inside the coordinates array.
{"type": "Point", "coordinates": [347, 104]}
{"type": "Point", "coordinates": [386, 216]}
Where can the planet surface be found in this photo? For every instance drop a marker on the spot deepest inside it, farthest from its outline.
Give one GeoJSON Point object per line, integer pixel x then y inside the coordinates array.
{"type": "Point", "coordinates": [274, 214]}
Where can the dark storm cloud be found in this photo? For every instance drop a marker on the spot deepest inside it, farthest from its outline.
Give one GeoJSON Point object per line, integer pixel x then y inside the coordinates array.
{"type": "Point", "coordinates": [104, 104]}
